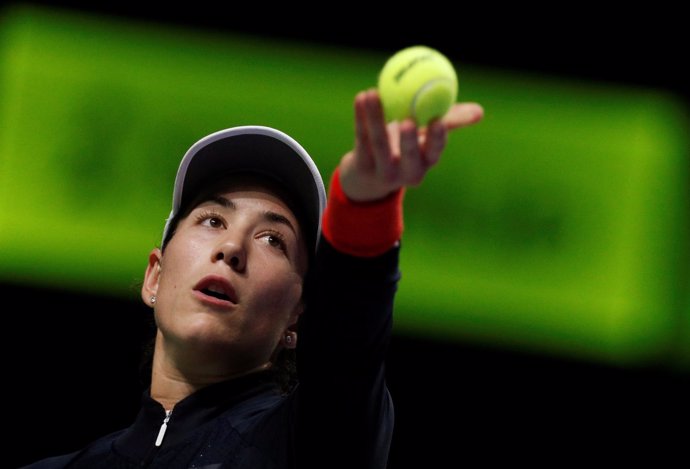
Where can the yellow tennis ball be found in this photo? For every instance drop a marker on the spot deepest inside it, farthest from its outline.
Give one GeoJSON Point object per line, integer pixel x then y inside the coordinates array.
{"type": "Point", "coordinates": [418, 82]}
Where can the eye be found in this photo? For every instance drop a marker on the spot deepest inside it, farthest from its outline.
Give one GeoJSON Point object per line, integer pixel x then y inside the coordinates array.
{"type": "Point", "coordinates": [210, 219]}
{"type": "Point", "coordinates": [215, 222]}
{"type": "Point", "coordinates": [276, 240]}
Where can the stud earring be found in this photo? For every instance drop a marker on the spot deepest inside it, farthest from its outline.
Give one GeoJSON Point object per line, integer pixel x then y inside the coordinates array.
{"type": "Point", "coordinates": [153, 299]}
{"type": "Point", "coordinates": [288, 339]}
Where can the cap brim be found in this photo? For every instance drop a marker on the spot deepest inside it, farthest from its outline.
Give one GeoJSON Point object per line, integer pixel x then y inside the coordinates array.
{"type": "Point", "coordinates": [256, 149]}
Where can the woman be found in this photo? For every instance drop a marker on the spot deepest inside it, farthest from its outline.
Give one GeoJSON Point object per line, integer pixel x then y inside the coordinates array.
{"type": "Point", "coordinates": [254, 261]}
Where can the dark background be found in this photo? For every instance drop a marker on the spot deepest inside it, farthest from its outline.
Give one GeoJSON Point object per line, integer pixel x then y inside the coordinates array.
{"type": "Point", "coordinates": [456, 404]}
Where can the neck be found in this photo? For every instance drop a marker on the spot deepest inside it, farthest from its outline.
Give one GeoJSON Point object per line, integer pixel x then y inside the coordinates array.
{"type": "Point", "coordinates": [170, 385]}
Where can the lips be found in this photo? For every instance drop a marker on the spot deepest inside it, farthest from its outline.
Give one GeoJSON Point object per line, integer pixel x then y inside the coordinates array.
{"type": "Point", "coordinates": [216, 289]}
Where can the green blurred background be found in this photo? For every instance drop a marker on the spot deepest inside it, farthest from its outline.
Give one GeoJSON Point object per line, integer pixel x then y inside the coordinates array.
{"type": "Point", "coordinates": [552, 239]}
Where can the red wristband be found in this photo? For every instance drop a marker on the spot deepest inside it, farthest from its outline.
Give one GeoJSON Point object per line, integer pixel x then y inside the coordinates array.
{"type": "Point", "coordinates": [363, 229]}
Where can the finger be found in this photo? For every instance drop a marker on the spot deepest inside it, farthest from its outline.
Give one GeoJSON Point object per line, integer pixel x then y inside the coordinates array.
{"type": "Point", "coordinates": [378, 135]}
{"type": "Point", "coordinates": [363, 155]}
{"type": "Point", "coordinates": [412, 164]}
{"type": "Point", "coordinates": [462, 115]}
{"type": "Point", "coordinates": [434, 142]}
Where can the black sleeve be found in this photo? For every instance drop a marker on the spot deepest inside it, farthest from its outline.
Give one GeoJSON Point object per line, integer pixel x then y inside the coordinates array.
{"type": "Point", "coordinates": [346, 414]}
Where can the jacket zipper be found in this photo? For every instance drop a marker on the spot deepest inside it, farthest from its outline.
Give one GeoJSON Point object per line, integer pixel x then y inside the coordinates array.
{"type": "Point", "coordinates": [164, 427]}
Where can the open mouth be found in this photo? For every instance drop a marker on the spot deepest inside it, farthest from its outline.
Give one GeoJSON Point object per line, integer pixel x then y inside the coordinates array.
{"type": "Point", "coordinates": [215, 294]}
{"type": "Point", "coordinates": [214, 286]}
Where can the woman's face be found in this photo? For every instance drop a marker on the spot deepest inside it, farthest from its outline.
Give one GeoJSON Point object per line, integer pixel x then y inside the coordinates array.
{"type": "Point", "coordinates": [229, 284]}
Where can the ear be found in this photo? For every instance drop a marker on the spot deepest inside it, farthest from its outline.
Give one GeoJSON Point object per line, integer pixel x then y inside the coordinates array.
{"type": "Point", "coordinates": [296, 313]}
{"type": "Point", "coordinates": [149, 288]}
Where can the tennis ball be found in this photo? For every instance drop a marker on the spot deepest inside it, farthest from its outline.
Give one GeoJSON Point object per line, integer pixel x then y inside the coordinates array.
{"type": "Point", "coordinates": [417, 82]}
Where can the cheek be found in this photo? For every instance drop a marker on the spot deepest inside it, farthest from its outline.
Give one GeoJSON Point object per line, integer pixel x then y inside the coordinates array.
{"type": "Point", "coordinates": [178, 262]}
{"type": "Point", "coordinates": [180, 254]}
{"type": "Point", "coordinates": [281, 296]}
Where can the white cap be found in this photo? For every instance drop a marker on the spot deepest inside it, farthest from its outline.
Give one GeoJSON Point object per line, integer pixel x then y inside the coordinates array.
{"type": "Point", "coordinates": [256, 149]}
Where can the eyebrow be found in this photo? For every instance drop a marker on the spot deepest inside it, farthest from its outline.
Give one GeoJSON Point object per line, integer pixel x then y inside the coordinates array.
{"type": "Point", "coordinates": [268, 215]}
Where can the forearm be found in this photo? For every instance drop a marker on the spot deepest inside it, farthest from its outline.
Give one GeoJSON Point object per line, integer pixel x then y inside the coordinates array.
{"type": "Point", "coordinates": [345, 332]}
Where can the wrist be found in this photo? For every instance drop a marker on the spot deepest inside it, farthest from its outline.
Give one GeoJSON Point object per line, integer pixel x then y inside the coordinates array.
{"type": "Point", "coordinates": [362, 228]}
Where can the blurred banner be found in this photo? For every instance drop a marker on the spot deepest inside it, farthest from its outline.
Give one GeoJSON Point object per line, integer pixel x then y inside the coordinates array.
{"type": "Point", "coordinates": [558, 225]}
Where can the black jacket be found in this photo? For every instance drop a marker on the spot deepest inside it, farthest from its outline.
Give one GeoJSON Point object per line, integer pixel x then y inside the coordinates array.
{"type": "Point", "coordinates": [340, 415]}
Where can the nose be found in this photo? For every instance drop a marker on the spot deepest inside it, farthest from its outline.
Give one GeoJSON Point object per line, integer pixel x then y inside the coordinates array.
{"type": "Point", "coordinates": [233, 253]}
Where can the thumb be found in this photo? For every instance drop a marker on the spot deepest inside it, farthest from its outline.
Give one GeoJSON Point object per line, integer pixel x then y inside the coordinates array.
{"type": "Point", "coordinates": [462, 115]}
